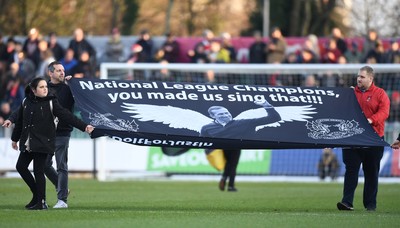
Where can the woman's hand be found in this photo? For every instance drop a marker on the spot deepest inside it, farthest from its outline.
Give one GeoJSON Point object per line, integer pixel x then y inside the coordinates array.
{"type": "Point", "coordinates": [14, 145]}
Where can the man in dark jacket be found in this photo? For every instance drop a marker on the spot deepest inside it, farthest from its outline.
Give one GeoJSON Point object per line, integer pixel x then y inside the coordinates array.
{"type": "Point", "coordinates": [60, 177]}
{"type": "Point", "coordinates": [80, 45]}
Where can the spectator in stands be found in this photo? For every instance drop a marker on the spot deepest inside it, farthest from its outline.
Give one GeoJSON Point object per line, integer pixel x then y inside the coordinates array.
{"type": "Point", "coordinates": [218, 54]}
{"type": "Point", "coordinates": [291, 58]}
{"type": "Point", "coordinates": [55, 47]}
{"type": "Point", "coordinates": [331, 78]}
{"type": "Point", "coordinates": [14, 93]}
{"type": "Point", "coordinates": [199, 55]}
{"type": "Point", "coordinates": [332, 53]}
{"type": "Point", "coordinates": [376, 55]}
{"type": "Point", "coordinates": [9, 76]}
{"type": "Point", "coordinates": [375, 105]}
{"type": "Point", "coordinates": [46, 57]}
{"type": "Point", "coordinates": [342, 60]}
{"type": "Point", "coordinates": [84, 68]}
{"type": "Point", "coordinates": [341, 44]}
{"type": "Point", "coordinates": [392, 55]}
{"type": "Point", "coordinates": [226, 44]}
{"type": "Point", "coordinates": [31, 47]}
{"type": "Point", "coordinates": [310, 81]}
{"type": "Point", "coordinates": [162, 74]}
{"type": "Point", "coordinates": [169, 50]}
{"type": "Point", "coordinates": [27, 70]}
{"type": "Point", "coordinates": [79, 44]}
{"type": "Point", "coordinates": [353, 54]}
{"type": "Point", "coordinates": [42, 46]}
{"type": "Point", "coordinates": [136, 54]}
{"type": "Point", "coordinates": [7, 57]}
{"type": "Point", "coordinates": [147, 44]}
{"type": "Point", "coordinates": [257, 50]}
{"type": "Point", "coordinates": [301, 56]}
{"type": "Point", "coordinates": [18, 48]}
{"type": "Point", "coordinates": [328, 164]}
{"type": "Point", "coordinates": [276, 46]}
{"type": "Point", "coordinates": [307, 56]}
{"type": "Point", "coordinates": [312, 44]}
{"type": "Point", "coordinates": [114, 48]}
{"type": "Point", "coordinates": [5, 112]}
{"type": "Point", "coordinates": [203, 47]}
{"type": "Point", "coordinates": [369, 43]}
{"type": "Point", "coordinates": [69, 62]}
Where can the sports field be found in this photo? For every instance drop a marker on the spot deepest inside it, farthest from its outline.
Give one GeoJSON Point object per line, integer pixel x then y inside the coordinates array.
{"type": "Point", "coordinates": [196, 204]}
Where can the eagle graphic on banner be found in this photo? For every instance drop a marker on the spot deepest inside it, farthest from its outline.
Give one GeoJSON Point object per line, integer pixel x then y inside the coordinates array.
{"type": "Point", "coordinates": [181, 118]}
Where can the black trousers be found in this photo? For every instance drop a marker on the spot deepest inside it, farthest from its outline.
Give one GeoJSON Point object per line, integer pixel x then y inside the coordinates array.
{"type": "Point", "coordinates": [370, 159]}
{"type": "Point", "coordinates": [36, 184]}
{"type": "Point", "coordinates": [232, 159]}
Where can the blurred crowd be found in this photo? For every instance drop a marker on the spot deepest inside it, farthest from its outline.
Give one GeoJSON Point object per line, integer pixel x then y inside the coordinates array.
{"type": "Point", "coordinates": [22, 61]}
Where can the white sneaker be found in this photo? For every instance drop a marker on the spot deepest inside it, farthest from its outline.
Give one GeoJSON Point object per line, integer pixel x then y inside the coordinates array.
{"type": "Point", "coordinates": [61, 204]}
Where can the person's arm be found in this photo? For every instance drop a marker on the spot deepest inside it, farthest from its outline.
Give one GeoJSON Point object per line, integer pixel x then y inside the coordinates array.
{"type": "Point", "coordinates": [273, 115]}
{"type": "Point", "coordinates": [383, 110]}
{"type": "Point", "coordinates": [66, 116]}
{"type": "Point", "coordinates": [12, 118]}
{"type": "Point", "coordinates": [17, 131]}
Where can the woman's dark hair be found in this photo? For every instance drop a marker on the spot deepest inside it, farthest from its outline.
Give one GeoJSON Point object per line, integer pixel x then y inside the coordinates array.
{"type": "Point", "coordinates": [33, 84]}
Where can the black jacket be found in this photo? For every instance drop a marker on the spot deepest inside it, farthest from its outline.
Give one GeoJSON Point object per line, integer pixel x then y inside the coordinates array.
{"type": "Point", "coordinates": [66, 100]}
{"type": "Point", "coordinates": [35, 120]}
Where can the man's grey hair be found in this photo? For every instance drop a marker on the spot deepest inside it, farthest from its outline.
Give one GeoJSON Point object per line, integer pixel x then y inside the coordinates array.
{"type": "Point", "coordinates": [369, 70]}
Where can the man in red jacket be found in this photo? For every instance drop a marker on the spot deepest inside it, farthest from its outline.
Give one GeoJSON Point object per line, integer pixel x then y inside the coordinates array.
{"type": "Point", "coordinates": [375, 104]}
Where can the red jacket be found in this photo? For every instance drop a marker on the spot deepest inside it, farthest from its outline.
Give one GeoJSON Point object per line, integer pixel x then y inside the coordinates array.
{"type": "Point", "coordinates": [375, 104]}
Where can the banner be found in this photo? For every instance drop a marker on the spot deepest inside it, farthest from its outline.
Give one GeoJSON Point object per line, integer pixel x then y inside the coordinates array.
{"type": "Point", "coordinates": [186, 115]}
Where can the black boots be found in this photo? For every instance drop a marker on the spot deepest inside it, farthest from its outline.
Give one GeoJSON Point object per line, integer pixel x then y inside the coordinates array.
{"type": "Point", "coordinates": [42, 205]}
{"type": "Point", "coordinates": [32, 203]}
{"type": "Point", "coordinates": [221, 184]}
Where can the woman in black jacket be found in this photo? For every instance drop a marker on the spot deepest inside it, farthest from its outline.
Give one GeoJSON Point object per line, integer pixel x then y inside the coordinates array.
{"type": "Point", "coordinates": [36, 131]}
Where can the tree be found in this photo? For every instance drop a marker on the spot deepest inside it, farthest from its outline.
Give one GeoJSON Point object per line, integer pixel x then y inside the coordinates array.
{"type": "Point", "coordinates": [298, 17]}
{"type": "Point", "coordinates": [381, 15]}
{"type": "Point", "coordinates": [18, 16]}
{"type": "Point", "coordinates": [130, 16]}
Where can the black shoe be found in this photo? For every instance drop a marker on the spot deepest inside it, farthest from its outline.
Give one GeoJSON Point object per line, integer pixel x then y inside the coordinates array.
{"type": "Point", "coordinates": [343, 207]}
{"type": "Point", "coordinates": [370, 209]}
{"type": "Point", "coordinates": [221, 184]}
{"type": "Point", "coordinates": [32, 203]}
{"type": "Point", "coordinates": [232, 189]}
{"type": "Point", "coordinates": [39, 206]}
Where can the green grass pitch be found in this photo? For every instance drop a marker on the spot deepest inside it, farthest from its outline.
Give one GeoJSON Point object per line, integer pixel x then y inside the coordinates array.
{"type": "Point", "coordinates": [196, 204]}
